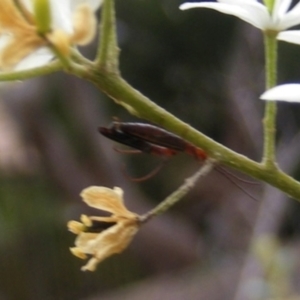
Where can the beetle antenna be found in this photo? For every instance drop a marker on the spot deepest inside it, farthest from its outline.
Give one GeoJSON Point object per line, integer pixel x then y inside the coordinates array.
{"type": "Point", "coordinates": [146, 177]}
{"type": "Point", "coordinates": [228, 174]}
{"type": "Point", "coordinates": [222, 171]}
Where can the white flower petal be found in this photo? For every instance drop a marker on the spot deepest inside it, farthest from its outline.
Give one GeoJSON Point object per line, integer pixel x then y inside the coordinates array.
{"type": "Point", "coordinates": [291, 18]}
{"type": "Point", "coordinates": [94, 4]}
{"type": "Point", "coordinates": [28, 4]}
{"type": "Point", "coordinates": [4, 40]}
{"type": "Point", "coordinates": [36, 59]}
{"type": "Point", "coordinates": [285, 92]}
{"type": "Point", "coordinates": [249, 11]}
{"type": "Point", "coordinates": [241, 2]}
{"type": "Point", "coordinates": [255, 13]}
{"type": "Point", "coordinates": [290, 36]}
{"type": "Point", "coordinates": [281, 7]}
{"type": "Point", "coordinates": [62, 12]}
{"type": "Point", "coordinates": [61, 15]}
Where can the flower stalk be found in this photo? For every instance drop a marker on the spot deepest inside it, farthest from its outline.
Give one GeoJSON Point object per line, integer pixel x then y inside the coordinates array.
{"type": "Point", "coordinates": [42, 16]}
{"type": "Point", "coordinates": [179, 193]}
{"type": "Point", "coordinates": [108, 51]}
{"type": "Point", "coordinates": [269, 121]}
{"type": "Point", "coordinates": [31, 73]}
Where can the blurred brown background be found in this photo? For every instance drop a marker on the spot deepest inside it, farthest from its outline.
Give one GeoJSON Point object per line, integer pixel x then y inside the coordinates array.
{"type": "Point", "coordinates": [207, 69]}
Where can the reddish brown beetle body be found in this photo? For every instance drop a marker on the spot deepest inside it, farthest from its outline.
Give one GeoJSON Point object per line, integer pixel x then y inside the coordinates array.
{"type": "Point", "coordinates": [150, 139]}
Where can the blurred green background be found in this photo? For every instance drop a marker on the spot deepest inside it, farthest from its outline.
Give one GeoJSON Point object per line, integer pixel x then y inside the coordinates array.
{"type": "Point", "coordinates": [207, 69]}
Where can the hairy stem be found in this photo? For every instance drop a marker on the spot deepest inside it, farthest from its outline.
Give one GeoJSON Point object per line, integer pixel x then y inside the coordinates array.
{"type": "Point", "coordinates": [108, 52]}
{"type": "Point", "coordinates": [269, 121]}
{"type": "Point", "coordinates": [177, 195]}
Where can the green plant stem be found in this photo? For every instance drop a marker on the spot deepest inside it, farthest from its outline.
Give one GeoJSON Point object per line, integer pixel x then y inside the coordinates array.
{"type": "Point", "coordinates": [108, 51]}
{"type": "Point", "coordinates": [65, 60]}
{"type": "Point", "coordinates": [27, 74]}
{"type": "Point", "coordinates": [269, 121]}
{"type": "Point", "coordinates": [177, 195]}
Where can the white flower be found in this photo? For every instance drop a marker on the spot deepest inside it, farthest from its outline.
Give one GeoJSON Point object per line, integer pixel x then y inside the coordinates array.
{"type": "Point", "coordinates": [286, 92]}
{"type": "Point", "coordinates": [21, 45]}
{"type": "Point", "coordinates": [100, 237]}
{"type": "Point", "coordinates": [255, 13]}
{"type": "Point", "coordinates": [290, 36]}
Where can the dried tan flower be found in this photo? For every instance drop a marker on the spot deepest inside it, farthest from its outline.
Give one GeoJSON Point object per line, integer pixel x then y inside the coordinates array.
{"type": "Point", "coordinates": [101, 237]}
